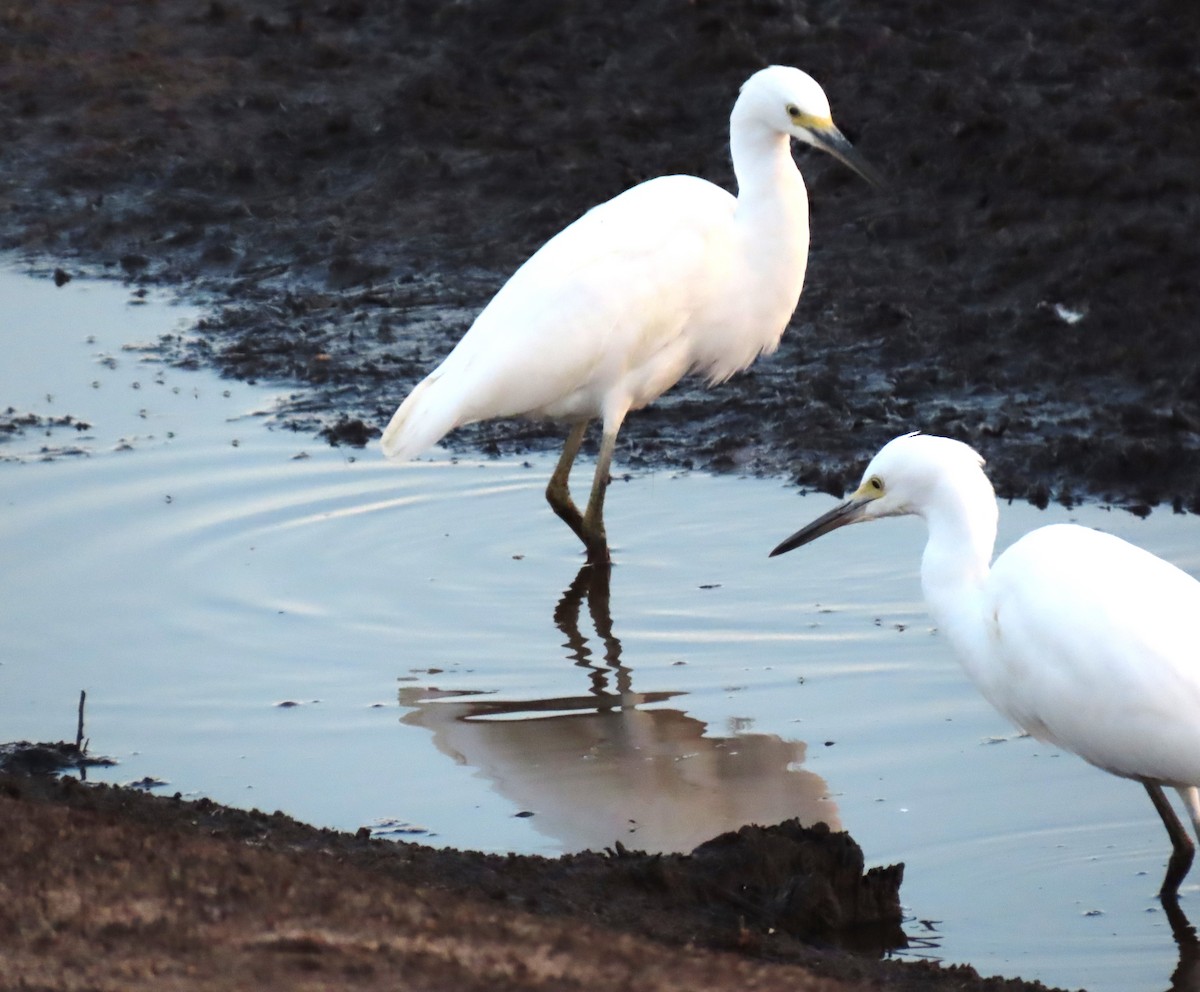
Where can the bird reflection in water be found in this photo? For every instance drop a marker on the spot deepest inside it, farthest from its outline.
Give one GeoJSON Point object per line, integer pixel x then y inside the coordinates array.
{"type": "Point", "coordinates": [1186, 977]}
{"type": "Point", "coordinates": [615, 765]}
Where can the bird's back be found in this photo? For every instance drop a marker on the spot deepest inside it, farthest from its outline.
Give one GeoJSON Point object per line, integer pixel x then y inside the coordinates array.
{"type": "Point", "coordinates": [605, 317]}
{"type": "Point", "coordinates": [1091, 645]}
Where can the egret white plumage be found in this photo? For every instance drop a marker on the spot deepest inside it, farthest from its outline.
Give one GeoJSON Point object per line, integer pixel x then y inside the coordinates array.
{"type": "Point", "coordinates": [1081, 639]}
{"type": "Point", "coordinates": [672, 276]}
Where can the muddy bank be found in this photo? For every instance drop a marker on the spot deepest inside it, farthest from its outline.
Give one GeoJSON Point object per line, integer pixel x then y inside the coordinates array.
{"type": "Point", "coordinates": [348, 182]}
{"type": "Point", "coordinates": [143, 891]}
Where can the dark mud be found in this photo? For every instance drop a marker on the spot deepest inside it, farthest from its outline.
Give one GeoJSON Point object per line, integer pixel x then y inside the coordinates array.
{"type": "Point", "coordinates": [148, 892]}
{"type": "Point", "coordinates": [348, 182]}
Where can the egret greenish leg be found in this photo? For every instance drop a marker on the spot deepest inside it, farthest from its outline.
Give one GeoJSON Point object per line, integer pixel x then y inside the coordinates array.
{"type": "Point", "coordinates": [1183, 850]}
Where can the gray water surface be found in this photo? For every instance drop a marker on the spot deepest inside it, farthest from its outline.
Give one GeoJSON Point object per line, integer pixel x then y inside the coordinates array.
{"type": "Point", "coordinates": [270, 622]}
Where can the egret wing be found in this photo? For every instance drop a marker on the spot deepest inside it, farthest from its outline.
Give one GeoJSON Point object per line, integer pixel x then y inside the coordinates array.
{"type": "Point", "coordinates": [603, 297]}
{"type": "Point", "coordinates": [1097, 650]}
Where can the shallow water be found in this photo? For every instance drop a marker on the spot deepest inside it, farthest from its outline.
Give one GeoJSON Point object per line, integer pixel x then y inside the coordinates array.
{"type": "Point", "coordinates": [273, 623]}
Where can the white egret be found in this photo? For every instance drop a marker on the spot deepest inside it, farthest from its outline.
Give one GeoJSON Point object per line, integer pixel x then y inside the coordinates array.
{"type": "Point", "coordinates": [1081, 639]}
{"type": "Point", "coordinates": [672, 276]}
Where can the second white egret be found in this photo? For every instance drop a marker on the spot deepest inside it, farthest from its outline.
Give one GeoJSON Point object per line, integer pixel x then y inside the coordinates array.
{"type": "Point", "coordinates": [672, 276]}
{"type": "Point", "coordinates": [1081, 639]}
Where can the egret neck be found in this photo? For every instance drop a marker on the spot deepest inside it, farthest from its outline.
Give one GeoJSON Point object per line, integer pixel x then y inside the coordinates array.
{"type": "Point", "coordinates": [962, 517]}
{"type": "Point", "coordinates": [772, 224]}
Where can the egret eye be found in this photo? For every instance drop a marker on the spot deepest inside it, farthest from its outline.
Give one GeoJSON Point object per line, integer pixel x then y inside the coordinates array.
{"type": "Point", "coordinates": [875, 484]}
{"type": "Point", "coordinates": [793, 111]}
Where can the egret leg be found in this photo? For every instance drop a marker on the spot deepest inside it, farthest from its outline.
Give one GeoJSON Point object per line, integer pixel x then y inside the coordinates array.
{"type": "Point", "coordinates": [1190, 795]}
{"type": "Point", "coordinates": [588, 526]}
{"type": "Point", "coordinates": [594, 535]}
{"type": "Point", "coordinates": [1183, 848]}
{"type": "Point", "coordinates": [558, 495]}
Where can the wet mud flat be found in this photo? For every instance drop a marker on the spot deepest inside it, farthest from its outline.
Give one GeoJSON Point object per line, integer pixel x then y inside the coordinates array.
{"type": "Point", "coordinates": [109, 887]}
{"type": "Point", "coordinates": [348, 182]}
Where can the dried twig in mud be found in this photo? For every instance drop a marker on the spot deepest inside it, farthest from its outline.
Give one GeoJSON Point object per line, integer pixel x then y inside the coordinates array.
{"type": "Point", "coordinates": [80, 744]}
{"type": "Point", "coordinates": [25, 758]}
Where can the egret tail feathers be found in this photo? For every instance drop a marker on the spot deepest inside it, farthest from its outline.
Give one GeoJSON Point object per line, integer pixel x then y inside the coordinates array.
{"type": "Point", "coordinates": [419, 424]}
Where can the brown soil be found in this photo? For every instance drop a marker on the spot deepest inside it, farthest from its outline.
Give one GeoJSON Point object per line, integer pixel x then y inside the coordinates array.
{"type": "Point", "coordinates": [108, 888]}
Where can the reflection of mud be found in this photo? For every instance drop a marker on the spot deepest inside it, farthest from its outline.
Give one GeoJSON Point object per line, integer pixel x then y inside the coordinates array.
{"type": "Point", "coordinates": [600, 768]}
{"type": "Point", "coordinates": [647, 777]}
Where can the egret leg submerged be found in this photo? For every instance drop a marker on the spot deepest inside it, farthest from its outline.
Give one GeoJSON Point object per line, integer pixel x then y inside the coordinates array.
{"type": "Point", "coordinates": [1183, 849]}
{"type": "Point", "coordinates": [589, 525]}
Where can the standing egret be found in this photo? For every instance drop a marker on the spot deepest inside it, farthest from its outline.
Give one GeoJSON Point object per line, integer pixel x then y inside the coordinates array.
{"type": "Point", "coordinates": [672, 276]}
{"type": "Point", "coordinates": [1081, 639]}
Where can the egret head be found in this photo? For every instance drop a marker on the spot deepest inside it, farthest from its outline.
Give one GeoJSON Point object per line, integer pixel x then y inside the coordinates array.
{"type": "Point", "coordinates": [792, 102]}
{"type": "Point", "coordinates": [911, 474]}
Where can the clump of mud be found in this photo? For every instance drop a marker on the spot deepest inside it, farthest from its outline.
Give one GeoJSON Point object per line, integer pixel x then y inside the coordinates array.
{"type": "Point", "coordinates": [14, 423]}
{"type": "Point", "coordinates": [47, 758]}
{"type": "Point", "coordinates": [757, 882]}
